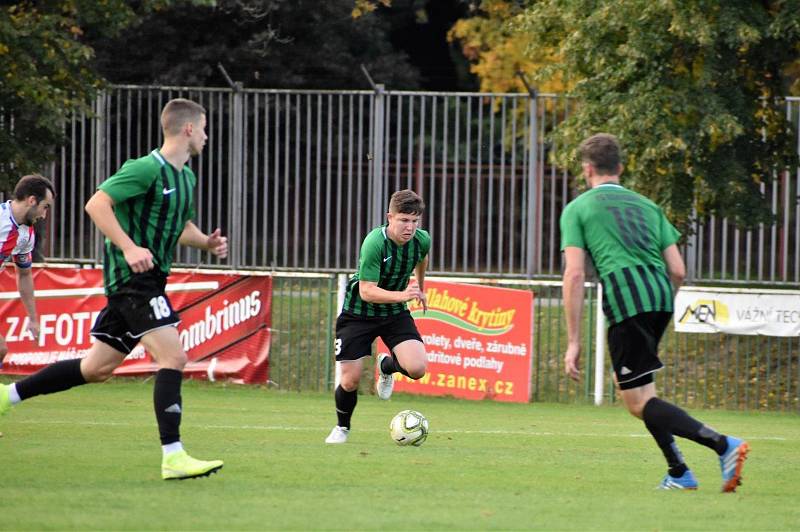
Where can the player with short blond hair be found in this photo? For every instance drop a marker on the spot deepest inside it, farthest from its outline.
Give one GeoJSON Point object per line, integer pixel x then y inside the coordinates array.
{"type": "Point", "coordinates": [145, 211]}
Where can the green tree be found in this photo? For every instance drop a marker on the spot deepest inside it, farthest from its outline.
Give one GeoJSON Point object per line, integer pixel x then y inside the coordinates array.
{"type": "Point", "coordinates": [691, 89]}
{"type": "Point", "coordinates": [45, 72]}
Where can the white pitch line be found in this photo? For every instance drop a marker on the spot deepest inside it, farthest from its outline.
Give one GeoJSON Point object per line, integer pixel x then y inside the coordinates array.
{"type": "Point", "coordinates": [288, 428]}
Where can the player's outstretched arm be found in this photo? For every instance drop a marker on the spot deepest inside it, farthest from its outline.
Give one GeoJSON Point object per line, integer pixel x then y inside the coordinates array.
{"type": "Point", "coordinates": [215, 243]}
{"type": "Point", "coordinates": [574, 276]}
{"type": "Point", "coordinates": [100, 209]}
{"type": "Point", "coordinates": [26, 291]}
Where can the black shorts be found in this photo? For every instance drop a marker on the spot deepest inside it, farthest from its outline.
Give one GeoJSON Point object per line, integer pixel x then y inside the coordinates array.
{"type": "Point", "coordinates": [633, 344]}
{"type": "Point", "coordinates": [135, 309]}
{"type": "Point", "coordinates": [355, 334]}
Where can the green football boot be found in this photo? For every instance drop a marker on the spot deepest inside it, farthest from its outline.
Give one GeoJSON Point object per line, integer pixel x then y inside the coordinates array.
{"type": "Point", "coordinates": [5, 402]}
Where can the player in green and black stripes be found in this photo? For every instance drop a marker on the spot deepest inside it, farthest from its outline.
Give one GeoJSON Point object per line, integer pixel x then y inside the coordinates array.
{"type": "Point", "coordinates": [375, 305]}
{"type": "Point", "coordinates": [633, 248]}
{"type": "Point", "coordinates": [144, 210]}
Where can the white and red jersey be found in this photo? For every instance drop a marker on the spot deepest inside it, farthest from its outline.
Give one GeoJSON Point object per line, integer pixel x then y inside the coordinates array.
{"type": "Point", "coordinates": [16, 241]}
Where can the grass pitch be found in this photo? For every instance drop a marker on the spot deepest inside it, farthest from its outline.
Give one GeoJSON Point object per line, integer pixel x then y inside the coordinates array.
{"type": "Point", "coordinates": [89, 459]}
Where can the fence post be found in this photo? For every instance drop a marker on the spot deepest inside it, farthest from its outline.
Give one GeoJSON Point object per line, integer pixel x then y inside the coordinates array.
{"type": "Point", "coordinates": [236, 173]}
{"type": "Point", "coordinates": [99, 163]}
{"type": "Point", "coordinates": [599, 348]}
{"type": "Point", "coordinates": [531, 216]}
{"type": "Point", "coordinates": [378, 199]}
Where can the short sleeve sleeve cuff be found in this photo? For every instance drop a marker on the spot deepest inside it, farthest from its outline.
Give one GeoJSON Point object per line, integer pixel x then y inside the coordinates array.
{"type": "Point", "coordinates": [132, 179]}
{"type": "Point", "coordinates": [571, 231]}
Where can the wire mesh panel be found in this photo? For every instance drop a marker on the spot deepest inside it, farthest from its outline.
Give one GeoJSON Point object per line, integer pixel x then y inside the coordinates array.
{"type": "Point", "coordinates": [730, 371]}
{"type": "Point", "coordinates": [303, 315]}
{"type": "Point", "coordinates": [700, 370]}
{"type": "Point", "coordinates": [549, 381]}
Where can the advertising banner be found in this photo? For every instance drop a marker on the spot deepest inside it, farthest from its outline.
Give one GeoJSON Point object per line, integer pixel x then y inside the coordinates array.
{"type": "Point", "coordinates": [224, 325]}
{"type": "Point", "coordinates": [478, 342]}
{"type": "Point", "coordinates": [765, 312]}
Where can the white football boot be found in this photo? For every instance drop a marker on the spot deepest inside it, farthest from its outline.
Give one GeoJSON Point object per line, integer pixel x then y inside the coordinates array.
{"type": "Point", "coordinates": [385, 383]}
{"type": "Point", "coordinates": [338, 435]}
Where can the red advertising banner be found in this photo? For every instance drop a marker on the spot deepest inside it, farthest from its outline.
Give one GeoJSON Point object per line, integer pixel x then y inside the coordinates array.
{"type": "Point", "coordinates": [478, 342]}
{"type": "Point", "coordinates": [224, 329]}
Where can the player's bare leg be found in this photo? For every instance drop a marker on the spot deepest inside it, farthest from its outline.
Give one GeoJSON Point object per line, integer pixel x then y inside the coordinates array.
{"type": "Point", "coordinates": [410, 358]}
{"type": "Point", "coordinates": [100, 362]}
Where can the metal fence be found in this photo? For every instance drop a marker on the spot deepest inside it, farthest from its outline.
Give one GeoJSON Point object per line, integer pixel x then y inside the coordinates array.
{"type": "Point", "coordinates": [701, 370]}
{"type": "Point", "coordinates": [303, 316]}
{"type": "Point", "coordinates": [296, 178]}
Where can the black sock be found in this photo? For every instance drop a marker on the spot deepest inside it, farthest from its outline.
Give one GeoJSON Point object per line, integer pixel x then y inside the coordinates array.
{"type": "Point", "coordinates": [391, 365]}
{"type": "Point", "coordinates": [51, 379]}
{"type": "Point", "coordinates": [345, 404]}
{"type": "Point", "coordinates": [676, 421]}
{"type": "Point", "coordinates": [667, 444]}
{"type": "Point", "coordinates": [168, 405]}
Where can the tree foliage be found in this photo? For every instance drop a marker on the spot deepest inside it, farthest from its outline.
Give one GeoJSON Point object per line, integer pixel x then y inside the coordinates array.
{"type": "Point", "coordinates": [56, 54]}
{"type": "Point", "coordinates": [497, 50]}
{"type": "Point", "coordinates": [364, 7]}
{"type": "Point", "coordinates": [690, 88]}
{"type": "Point", "coordinates": [46, 73]}
{"type": "Point", "coordinates": [262, 43]}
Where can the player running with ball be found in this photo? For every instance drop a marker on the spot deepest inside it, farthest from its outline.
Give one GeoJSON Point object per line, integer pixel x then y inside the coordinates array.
{"type": "Point", "coordinates": [375, 305]}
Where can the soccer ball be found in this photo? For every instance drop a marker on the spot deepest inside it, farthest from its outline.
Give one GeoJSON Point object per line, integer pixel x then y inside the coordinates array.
{"type": "Point", "coordinates": [409, 427]}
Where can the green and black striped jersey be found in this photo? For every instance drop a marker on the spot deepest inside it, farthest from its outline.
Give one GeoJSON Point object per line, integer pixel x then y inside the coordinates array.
{"type": "Point", "coordinates": [152, 202]}
{"type": "Point", "coordinates": [390, 266]}
{"type": "Point", "coordinates": [624, 234]}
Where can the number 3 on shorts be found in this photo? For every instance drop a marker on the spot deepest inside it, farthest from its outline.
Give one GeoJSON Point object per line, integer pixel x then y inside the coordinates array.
{"type": "Point", "coordinates": [338, 346]}
{"type": "Point", "coordinates": [160, 307]}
